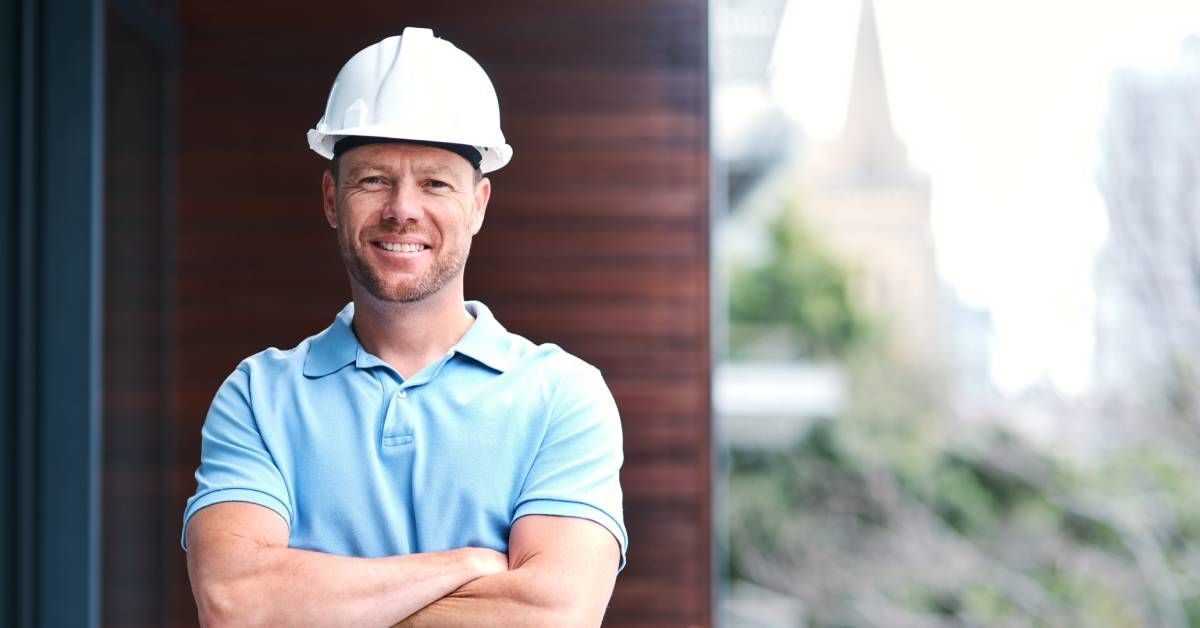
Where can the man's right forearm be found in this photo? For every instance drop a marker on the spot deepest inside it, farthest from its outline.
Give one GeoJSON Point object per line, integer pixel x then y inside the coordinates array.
{"type": "Point", "coordinates": [257, 585]}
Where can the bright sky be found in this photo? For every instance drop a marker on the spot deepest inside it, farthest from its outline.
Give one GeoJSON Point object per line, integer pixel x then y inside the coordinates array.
{"type": "Point", "coordinates": [1001, 102]}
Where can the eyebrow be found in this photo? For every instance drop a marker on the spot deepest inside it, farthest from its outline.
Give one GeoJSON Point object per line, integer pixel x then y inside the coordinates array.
{"type": "Point", "coordinates": [420, 169]}
{"type": "Point", "coordinates": [436, 169]}
{"type": "Point", "coordinates": [356, 170]}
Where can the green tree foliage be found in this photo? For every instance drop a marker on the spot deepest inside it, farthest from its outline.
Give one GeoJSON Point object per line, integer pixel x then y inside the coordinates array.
{"type": "Point", "coordinates": [894, 514]}
{"type": "Point", "coordinates": [995, 533]}
{"type": "Point", "coordinates": [801, 290]}
{"type": "Point", "coordinates": [886, 515]}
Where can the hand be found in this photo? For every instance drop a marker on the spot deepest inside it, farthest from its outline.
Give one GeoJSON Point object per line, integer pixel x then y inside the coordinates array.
{"type": "Point", "coordinates": [484, 561]}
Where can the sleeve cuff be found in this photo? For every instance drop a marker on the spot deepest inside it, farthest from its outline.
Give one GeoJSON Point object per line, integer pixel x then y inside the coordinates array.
{"type": "Point", "coordinates": [233, 495]}
{"type": "Point", "coordinates": [578, 510]}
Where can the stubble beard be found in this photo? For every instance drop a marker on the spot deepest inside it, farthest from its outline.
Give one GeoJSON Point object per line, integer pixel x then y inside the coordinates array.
{"type": "Point", "coordinates": [445, 268]}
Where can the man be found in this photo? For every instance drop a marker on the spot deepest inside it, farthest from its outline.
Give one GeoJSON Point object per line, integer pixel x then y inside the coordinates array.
{"type": "Point", "coordinates": [414, 463]}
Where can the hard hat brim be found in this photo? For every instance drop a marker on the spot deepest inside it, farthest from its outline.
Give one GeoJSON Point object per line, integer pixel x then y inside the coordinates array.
{"type": "Point", "coordinates": [493, 157]}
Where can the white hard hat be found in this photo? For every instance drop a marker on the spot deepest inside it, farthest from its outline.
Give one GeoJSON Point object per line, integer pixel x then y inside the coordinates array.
{"type": "Point", "coordinates": [414, 86]}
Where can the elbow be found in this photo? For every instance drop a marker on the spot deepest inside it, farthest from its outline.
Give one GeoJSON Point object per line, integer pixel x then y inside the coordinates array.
{"type": "Point", "coordinates": [224, 605]}
{"type": "Point", "coordinates": [216, 607]}
{"type": "Point", "coordinates": [570, 616]}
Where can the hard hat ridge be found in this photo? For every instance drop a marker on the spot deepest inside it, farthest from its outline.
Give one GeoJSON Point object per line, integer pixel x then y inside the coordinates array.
{"type": "Point", "coordinates": [414, 87]}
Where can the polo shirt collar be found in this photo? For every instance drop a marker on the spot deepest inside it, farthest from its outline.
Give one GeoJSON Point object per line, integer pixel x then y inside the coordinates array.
{"type": "Point", "coordinates": [333, 348]}
{"type": "Point", "coordinates": [486, 341]}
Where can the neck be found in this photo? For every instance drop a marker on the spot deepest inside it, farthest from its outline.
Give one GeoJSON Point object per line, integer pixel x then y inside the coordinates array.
{"type": "Point", "coordinates": [409, 336]}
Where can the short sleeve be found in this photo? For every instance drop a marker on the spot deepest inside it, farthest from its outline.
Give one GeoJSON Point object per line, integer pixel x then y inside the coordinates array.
{"type": "Point", "coordinates": [576, 472]}
{"type": "Point", "coordinates": [235, 465]}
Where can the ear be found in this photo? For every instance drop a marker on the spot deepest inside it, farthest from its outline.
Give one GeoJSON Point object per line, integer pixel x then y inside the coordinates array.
{"type": "Point", "coordinates": [329, 196]}
{"type": "Point", "coordinates": [483, 192]}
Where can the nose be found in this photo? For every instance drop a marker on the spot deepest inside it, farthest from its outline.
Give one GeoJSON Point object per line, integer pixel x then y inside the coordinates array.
{"type": "Point", "coordinates": [404, 204]}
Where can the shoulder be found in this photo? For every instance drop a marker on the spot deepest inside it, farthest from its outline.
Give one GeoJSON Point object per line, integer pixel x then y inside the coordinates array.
{"type": "Point", "coordinates": [559, 381]}
{"type": "Point", "coordinates": [491, 343]}
{"type": "Point", "coordinates": [577, 389]}
{"type": "Point", "coordinates": [320, 354]}
{"type": "Point", "coordinates": [274, 369]}
{"type": "Point", "coordinates": [559, 367]}
{"type": "Point", "coordinates": [261, 387]}
{"type": "Point", "coordinates": [274, 361]}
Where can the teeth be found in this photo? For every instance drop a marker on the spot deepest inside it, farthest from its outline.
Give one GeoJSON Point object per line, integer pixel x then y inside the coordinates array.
{"type": "Point", "coordinates": [402, 248]}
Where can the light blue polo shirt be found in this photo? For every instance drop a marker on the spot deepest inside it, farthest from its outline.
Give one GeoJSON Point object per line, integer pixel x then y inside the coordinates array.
{"type": "Point", "coordinates": [362, 462]}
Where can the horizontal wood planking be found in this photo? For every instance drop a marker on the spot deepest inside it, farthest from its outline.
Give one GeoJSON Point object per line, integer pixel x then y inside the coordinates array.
{"type": "Point", "coordinates": [292, 200]}
{"type": "Point", "coordinates": [596, 237]}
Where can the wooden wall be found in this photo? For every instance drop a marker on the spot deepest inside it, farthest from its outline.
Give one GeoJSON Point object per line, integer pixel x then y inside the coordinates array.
{"type": "Point", "coordinates": [138, 513]}
{"type": "Point", "coordinates": [596, 238]}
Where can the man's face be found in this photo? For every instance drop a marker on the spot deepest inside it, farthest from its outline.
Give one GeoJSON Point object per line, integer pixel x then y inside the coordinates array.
{"type": "Point", "coordinates": [405, 215]}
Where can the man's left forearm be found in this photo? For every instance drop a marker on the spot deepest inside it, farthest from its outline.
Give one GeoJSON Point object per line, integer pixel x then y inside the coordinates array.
{"type": "Point", "coordinates": [520, 597]}
{"type": "Point", "coordinates": [561, 574]}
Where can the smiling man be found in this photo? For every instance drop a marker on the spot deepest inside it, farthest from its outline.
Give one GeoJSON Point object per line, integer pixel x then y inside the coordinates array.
{"type": "Point", "coordinates": [414, 463]}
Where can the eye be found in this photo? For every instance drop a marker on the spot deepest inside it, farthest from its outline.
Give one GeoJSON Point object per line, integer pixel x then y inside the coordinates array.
{"type": "Point", "coordinates": [437, 184]}
{"type": "Point", "coordinates": [372, 183]}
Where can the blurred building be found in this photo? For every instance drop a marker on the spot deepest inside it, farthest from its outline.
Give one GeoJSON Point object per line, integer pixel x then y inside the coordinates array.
{"type": "Point", "coordinates": [769, 406]}
{"type": "Point", "coordinates": [862, 194]}
{"type": "Point", "coordinates": [1148, 275]}
{"type": "Point", "coordinates": [972, 330]}
{"type": "Point", "coordinates": [751, 132]}
{"type": "Point", "coordinates": [765, 404]}
{"type": "Point", "coordinates": [865, 200]}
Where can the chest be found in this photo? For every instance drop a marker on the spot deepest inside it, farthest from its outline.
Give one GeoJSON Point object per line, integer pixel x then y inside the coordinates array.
{"type": "Point", "coordinates": [458, 445]}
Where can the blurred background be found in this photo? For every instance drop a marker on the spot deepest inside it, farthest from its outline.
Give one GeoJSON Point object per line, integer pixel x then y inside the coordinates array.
{"type": "Point", "coordinates": [957, 262]}
{"type": "Point", "coordinates": [900, 301]}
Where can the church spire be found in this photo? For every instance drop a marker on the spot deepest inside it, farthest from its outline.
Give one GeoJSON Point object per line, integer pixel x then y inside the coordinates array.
{"type": "Point", "coordinates": [868, 110]}
{"type": "Point", "coordinates": [868, 141]}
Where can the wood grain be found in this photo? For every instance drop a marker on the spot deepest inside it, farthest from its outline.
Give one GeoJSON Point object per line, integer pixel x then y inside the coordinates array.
{"type": "Point", "coordinates": [596, 237]}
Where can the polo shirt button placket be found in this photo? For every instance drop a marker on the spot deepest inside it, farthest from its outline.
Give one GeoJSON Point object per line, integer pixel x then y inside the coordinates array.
{"type": "Point", "coordinates": [397, 427]}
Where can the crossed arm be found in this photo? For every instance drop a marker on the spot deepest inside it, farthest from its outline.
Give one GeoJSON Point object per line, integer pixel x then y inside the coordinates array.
{"type": "Point", "coordinates": [559, 572]}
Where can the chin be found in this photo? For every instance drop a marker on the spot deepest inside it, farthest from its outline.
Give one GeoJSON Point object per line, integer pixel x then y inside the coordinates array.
{"type": "Point", "coordinates": [406, 293]}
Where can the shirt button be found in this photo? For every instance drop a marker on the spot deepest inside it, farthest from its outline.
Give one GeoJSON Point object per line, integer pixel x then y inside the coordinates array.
{"type": "Point", "coordinates": [402, 394]}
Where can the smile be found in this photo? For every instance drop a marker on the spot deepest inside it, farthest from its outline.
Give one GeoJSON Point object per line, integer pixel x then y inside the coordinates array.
{"type": "Point", "coordinates": [400, 247]}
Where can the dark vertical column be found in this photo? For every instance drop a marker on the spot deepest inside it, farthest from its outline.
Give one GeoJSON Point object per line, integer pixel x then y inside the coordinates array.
{"type": "Point", "coordinates": [68, 264]}
{"type": "Point", "coordinates": [10, 38]}
{"type": "Point", "coordinates": [50, 269]}
{"type": "Point", "coordinates": [24, 519]}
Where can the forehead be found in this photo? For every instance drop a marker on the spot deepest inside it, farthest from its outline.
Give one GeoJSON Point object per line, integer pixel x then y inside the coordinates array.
{"type": "Point", "coordinates": [400, 158]}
